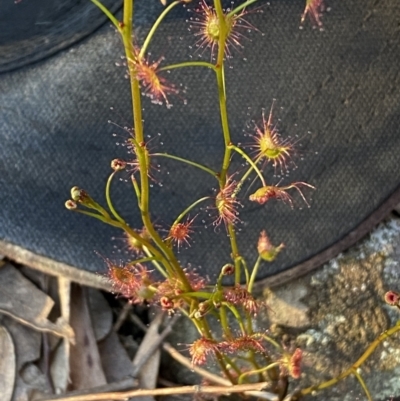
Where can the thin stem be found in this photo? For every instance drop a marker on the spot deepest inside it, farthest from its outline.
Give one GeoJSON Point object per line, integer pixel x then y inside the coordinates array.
{"type": "Point", "coordinates": [128, 19]}
{"type": "Point", "coordinates": [136, 188]}
{"type": "Point", "coordinates": [256, 371]}
{"type": "Point", "coordinates": [235, 252]}
{"type": "Point", "coordinates": [141, 260]}
{"type": "Point", "coordinates": [188, 209]}
{"type": "Point", "coordinates": [246, 270]}
{"type": "Point", "coordinates": [224, 322]}
{"type": "Point", "coordinates": [254, 274]}
{"type": "Point", "coordinates": [191, 163]}
{"type": "Point", "coordinates": [240, 8]}
{"type": "Point", "coordinates": [95, 215]}
{"type": "Point", "coordinates": [155, 26]}
{"type": "Point", "coordinates": [108, 198]}
{"type": "Point", "coordinates": [155, 263]}
{"type": "Point", "coordinates": [199, 294]}
{"type": "Point", "coordinates": [109, 15]}
{"type": "Point", "coordinates": [248, 159]}
{"type": "Point", "coordinates": [237, 316]}
{"type": "Point", "coordinates": [245, 175]}
{"type": "Point", "coordinates": [273, 342]}
{"type": "Point", "coordinates": [363, 385]}
{"type": "Point", "coordinates": [189, 64]}
{"type": "Point", "coordinates": [357, 364]}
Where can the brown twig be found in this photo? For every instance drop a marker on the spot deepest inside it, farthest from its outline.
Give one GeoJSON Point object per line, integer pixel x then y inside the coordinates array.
{"type": "Point", "coordinates": [54, 268]}
{"type": "Point", "coordinates": [238, 388]}
{"type": "Point", "coordinates": [156, 340]}
{"type": "Point", "coordinates": [124, 384]}
{"type": "Point", "coordinates": [210, 376]}
{"type": "Point", "coordinates": [122, 316]}
{"type": "Point", "coordinates": [188, 364]}
{"type": "Point", "coordinates": [60, 329]}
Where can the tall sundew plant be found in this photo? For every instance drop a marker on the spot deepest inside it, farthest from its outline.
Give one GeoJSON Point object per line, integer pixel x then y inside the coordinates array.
{"type": "Point", "coordinates": [243, 353]}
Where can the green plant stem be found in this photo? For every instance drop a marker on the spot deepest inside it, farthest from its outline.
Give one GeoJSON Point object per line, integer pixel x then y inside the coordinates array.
{"type": "Point", "coordinates": [189, 64]}
{"type": "Point", "coordinates": [254, 275]}
{"type": "Point", "coordinates": [272, 341]}
{"type": "Point", "coordinates": [363, 384]}
{"type": "Point", "coordinates": [136, 188]}
{"type": "Point", "coordinates": [235, 252]}
{"type": "Point", "coordinates": [240, 8]}
{"type": "Point", "coordinates": [219, 71]}
{"type": "Point", "coordinates": [109, 15]}
{"type": "Point", "coordinates": [245, 175]}
{"type": "Point", "coordinates": [108, 198]}
{"type": "Point", "coordinates": [189, 208]}
{"type": "Point", "coordinates": [248, 159]}
{"type": "Point", "coordinates": [199, 294]}
{"type": "Point", "coordinates": [229, 362]}
{"type": "Point", "coordinates": [154, 262]}
{"type": "Point", "coordinates": [97, 216]}
{"type": "Point", "coordinates": [191, 163]}
{"type": "Point", "coordinates": [245, 268]}
{"type": "Point", "coordinates": [357, 364]}
{"type": "Point", "coordinates": [155, 27]}
{"type": "Point", "coordinates": [169, 258]}
{"type": "Point", "coordinates": [235, 313]}
{"type": "Point", "coordinates": [257, 371]}
{"type": "Point", "coordinates": [141, 260]}
{"type": "Point", "coordinates": [224, 322]}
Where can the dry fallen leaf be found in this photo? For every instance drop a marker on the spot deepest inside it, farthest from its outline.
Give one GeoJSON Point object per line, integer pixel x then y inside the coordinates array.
{"type": "Point", "coordinates": [147, 359]}
{"type": "Point", "coordinates": [24, 302]}
{"type": "Point", "coordinates": [85, 364]}
{"type": "Point", "coordinates": [7, 365]}
{"type": "Point", "coordinates": [114, 358]}
{"type": "Point", "coordinates": [59, 369]}
{"type": "Point", "coordinates": [100, 313]}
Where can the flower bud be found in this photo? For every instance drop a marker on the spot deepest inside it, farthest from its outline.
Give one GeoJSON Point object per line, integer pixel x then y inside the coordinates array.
{"type": "Point", "coordinates": [166, 303]}
{"type": "Point", "coordinates": [118, 164]}
{"type": "Point", "coordinates": [266, 250]}
{"type": "Point", "coordinates": [76, 193]}
{"type": "Point", "coordinates": [228, 269]}
{"type": "Point", "coordinates": [70, 204]}
{"type": "Point", "coordinates": [392, 298]}
{"type": "Point", "coordinates": [80, 195]}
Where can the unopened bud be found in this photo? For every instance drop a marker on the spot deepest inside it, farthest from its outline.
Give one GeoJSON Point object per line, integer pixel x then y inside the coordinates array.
{"type": "Point", "coordinates": [166, 303]}
{"type": "Point", "coordinates": [392, 298]}
{"type": "Point", "coordinates": [80, 195]}
{"type": "Point", "coordinates": [76, 193]}
{"type": "Point", "coordinates": [217, 304]}
{"type": "Point", "coordinates": [228, 269]}
{"type": "Point", "coordinates": [266, 250]}
{"type": "Point", "coordinates": [70, 204]}
{"type": "Point", "coordinates": [118, 164]}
